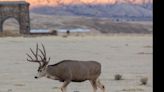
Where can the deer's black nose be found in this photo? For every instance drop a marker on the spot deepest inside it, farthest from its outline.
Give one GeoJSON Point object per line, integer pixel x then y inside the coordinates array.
{"type": "Point", "coordinates": [35, 77]}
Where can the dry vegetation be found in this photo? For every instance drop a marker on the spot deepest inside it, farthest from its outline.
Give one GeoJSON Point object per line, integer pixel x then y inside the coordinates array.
{"type": "Point", "coordinates": [144, 80]}
{"type": "Point", "coordinates": [96, 25]}
{"type": "Point", "coordinates": [10, 33]}
{"type": "Point", "coordinates": [116, 57]}
{"type": "Point", "coordinates": [101, 25]}
{"type": "Point", "coordinates": [118, 77]}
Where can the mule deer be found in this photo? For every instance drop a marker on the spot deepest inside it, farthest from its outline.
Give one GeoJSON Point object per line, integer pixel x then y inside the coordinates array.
{"type": "Point", "coordinates": [67, 70]}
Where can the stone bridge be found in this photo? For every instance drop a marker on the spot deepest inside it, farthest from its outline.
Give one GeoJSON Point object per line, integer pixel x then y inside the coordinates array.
{"type": "Point", "coordinates": [18, 10]}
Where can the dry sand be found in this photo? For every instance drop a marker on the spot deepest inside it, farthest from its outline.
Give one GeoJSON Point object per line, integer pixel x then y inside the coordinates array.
{"type": "Point", "coordinates": [130, 56]}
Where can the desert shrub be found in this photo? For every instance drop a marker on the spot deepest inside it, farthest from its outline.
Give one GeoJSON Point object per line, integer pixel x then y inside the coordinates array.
{"type": "Point", "coordinates": [118, 77]}
{"type": "Point", "coordinates": [9, 33]}
{"type": "Point", "coordinates": [144, 80]}
{"type": "Point", "coordinates": [76, 91]}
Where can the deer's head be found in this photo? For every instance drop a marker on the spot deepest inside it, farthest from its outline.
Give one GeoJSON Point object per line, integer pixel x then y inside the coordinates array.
{"type": "Point", "coordinates": [41, 59]}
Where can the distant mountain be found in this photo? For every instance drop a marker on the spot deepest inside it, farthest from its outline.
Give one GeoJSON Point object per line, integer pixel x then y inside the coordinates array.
{"type": "Point", "coordinates": [122, 9]}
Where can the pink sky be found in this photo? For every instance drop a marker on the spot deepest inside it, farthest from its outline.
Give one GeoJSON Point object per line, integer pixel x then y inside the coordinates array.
{"type": "Point", "coordinates": [55, 2]}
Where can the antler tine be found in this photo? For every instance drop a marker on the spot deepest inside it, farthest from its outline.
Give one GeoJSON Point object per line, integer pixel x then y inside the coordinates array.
{"type": "Point", "coordinates": [29, 57]}
{"type": "Point", "coordinates": [32, 59]}
{"type": "Point", "coordinates": [34, 54]}
{"type": "Point", "coordinates": [42, 54]}
{"type": "Point", "coordinates": [37, 50]}
{"type": "Point", "coordinates": [48, 59]}
{"type": "Point", "coordinates": [40, 57]}
{"type": "Point", "coordinates": [44, 50]}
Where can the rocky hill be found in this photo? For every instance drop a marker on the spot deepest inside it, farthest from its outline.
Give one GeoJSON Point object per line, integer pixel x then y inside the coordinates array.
{"type": "Point", "coordinates": [123, 9]}
{"type": "Point", "coordinates": [102, 25]}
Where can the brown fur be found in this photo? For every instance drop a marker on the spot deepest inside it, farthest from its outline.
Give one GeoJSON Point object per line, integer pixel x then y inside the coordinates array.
{"type": "Point", "coordinates": [76, 71]}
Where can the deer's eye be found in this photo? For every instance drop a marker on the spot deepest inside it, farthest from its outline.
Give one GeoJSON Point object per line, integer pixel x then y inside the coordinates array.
{"type": "Point", "coordinates": [39, 70]}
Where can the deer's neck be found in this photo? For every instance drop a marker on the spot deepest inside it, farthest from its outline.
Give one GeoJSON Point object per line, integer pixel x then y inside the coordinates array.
{"type": "Point", "coordinates": [49, 73]}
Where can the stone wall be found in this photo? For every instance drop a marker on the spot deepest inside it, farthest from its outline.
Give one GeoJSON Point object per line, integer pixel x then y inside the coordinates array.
{"type": "Point", "coordinates": [18, 10]}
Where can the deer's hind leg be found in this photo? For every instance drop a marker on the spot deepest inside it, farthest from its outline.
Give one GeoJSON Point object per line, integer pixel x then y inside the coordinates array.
{"type": "Point", "coordinates": [101, 86]}
{"type": "Point", "coordinates": [94, 85]}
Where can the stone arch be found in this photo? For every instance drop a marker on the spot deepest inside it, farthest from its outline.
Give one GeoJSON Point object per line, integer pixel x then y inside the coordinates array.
{"type": "Point", "coordinates": [18, 10]}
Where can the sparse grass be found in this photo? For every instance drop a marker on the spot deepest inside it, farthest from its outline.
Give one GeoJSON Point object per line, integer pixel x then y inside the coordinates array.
{"type": "Point", "coordinates": [9, 90]}
{"type": "Point", "coordinates": [143, 53]}
{"type": "Point", "coordinates": [133, 89]}
{"type": "Point", "coordinates": [55, 88]}
{"type": "Point", "coordinates": [9, 33]}
{"type": "Point", "coordinates": [99, 25]}
{"type": "Point", "coordinates": [76, 91]}
{"type": "Point", "coordinates": [19, 84]}
{"type": "Point", "coordinates": [147, 46]}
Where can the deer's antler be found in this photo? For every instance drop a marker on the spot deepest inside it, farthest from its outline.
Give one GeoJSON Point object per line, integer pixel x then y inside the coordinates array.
{"type": "Point", "coordinates": [44, 58]}
{"type": "Point", "coordinates": [35, 55]}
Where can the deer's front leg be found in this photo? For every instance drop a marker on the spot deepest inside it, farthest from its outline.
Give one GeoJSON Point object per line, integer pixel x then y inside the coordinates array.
{"type": "Point", "coordinates": [101, 86]}
{"type": "Point", "coordinates": [63, 88]}
{"type": "Point", "coordinates": [94, 85]}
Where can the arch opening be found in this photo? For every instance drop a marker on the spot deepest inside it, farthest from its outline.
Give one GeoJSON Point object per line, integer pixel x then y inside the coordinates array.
{"type": "Point", "coordinates": [10, 27]}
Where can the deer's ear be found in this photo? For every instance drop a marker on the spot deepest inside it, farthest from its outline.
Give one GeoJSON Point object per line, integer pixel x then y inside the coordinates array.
{"type": "Point", "coordinates": [48, 60]}
{"type": "Point", "coordinates": [39, 68]}
{"type": "Point", "coordinates": [44, 64]}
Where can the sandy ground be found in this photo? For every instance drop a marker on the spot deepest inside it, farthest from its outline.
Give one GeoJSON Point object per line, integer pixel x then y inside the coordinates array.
{"type": "Point", "coordinates": [130, 56]}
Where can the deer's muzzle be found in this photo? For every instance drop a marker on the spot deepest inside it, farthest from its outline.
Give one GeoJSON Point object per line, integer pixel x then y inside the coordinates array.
{"type": "Point", "coordinates": [36, 77]}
